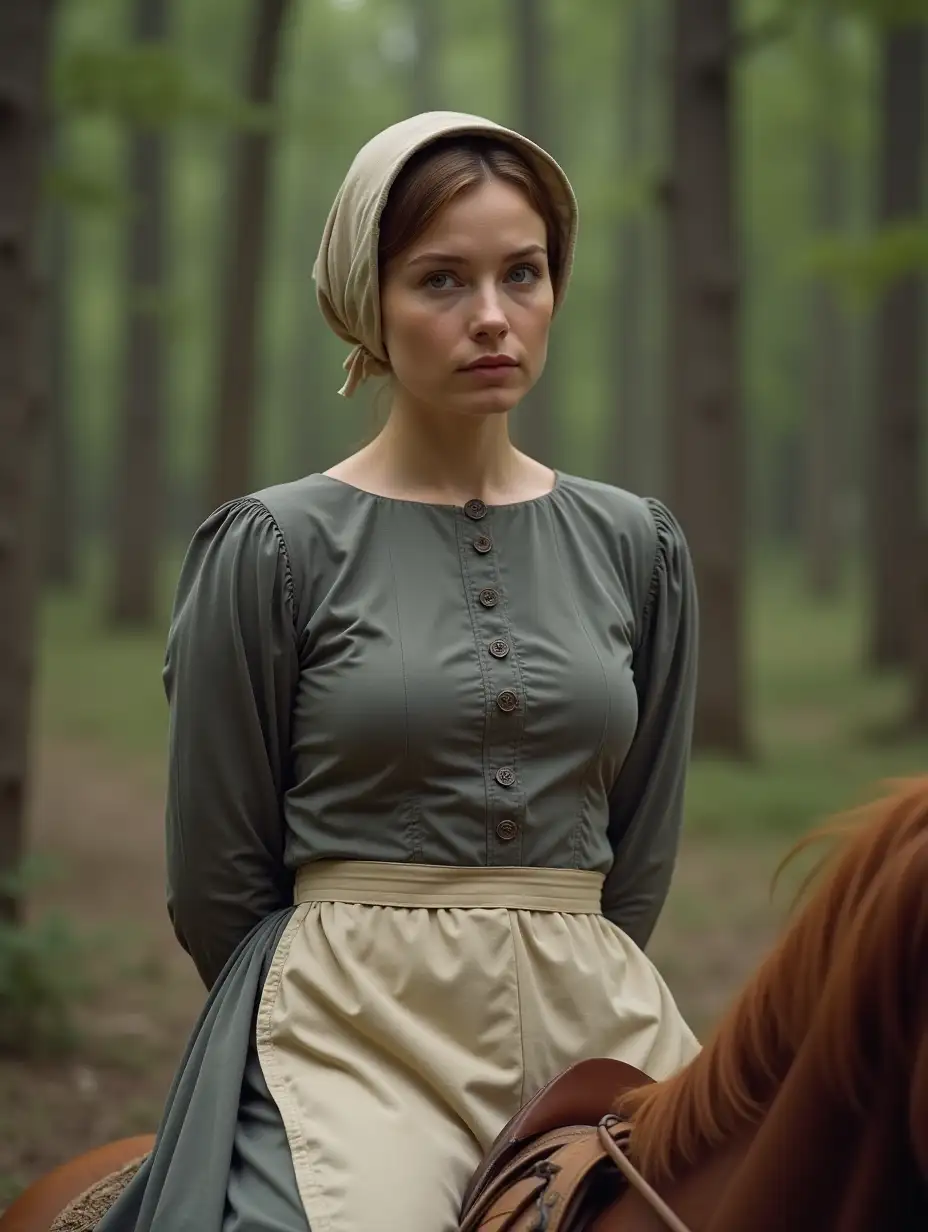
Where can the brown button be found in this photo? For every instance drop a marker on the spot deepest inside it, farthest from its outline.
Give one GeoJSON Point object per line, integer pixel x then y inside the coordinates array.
{"type": "Point", "coordinates": [507, 700]}
{"type": "Point", "coordinates": [507, 830]}
{"type": "Point", "coordinates": [505, 776]}
{"type": "Point", "coordinates": [483, 543]}
{"type": "Point", "coordinates": [499, 649]}
{"type": "Point", "coordinates": [489, 597]}
{"type": "Point", "coordinates": [475, 509]}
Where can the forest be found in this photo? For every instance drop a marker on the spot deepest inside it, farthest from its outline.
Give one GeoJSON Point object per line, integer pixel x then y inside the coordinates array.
{"type": "Point", "coordinates": [745, 337]}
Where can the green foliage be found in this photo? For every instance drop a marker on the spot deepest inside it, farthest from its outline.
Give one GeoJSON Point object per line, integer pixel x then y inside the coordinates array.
{"type": "Point", "coordinates": [81, 188]}
{"type": "Point", "coordinates": [875, 12]}
{"type": "Point", "coordinates": [42, 979]}
{"type": "Point", "coordinates": [891, 12]}
{"type": "Point", "coordinates": [44, 974]}
{"type": "Point", "coordinates": [148, 87]}
{"type": "Point", "coordinates": [866, 268]}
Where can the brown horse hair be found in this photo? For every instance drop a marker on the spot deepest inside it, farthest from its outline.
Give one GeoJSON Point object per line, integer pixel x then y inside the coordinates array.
{"type": "Point", "coordinates": [730, 1085]}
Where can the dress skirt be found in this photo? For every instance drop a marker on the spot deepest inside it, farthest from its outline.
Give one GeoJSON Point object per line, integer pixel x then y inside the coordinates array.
{"type": "Point", "coordinates": [409, 1010]}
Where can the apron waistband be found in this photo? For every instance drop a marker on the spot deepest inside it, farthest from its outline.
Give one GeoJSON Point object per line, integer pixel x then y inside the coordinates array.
{"type": "Point", "coordinates": [375, 883]}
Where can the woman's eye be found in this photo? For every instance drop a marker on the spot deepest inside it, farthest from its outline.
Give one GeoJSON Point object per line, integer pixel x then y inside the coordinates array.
{"type": "Point", "coordinates": [437, 282]}
{"type": "Point", "coordinates": [524, 274]}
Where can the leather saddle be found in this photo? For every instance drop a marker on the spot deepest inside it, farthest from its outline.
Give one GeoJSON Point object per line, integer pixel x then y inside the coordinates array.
{"type": "Point", "coordinates": [551, 1169]}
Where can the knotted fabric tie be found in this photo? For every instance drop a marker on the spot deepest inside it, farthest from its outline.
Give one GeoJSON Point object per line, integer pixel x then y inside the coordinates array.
{"type": "Point", "coordinates": [361, 365]}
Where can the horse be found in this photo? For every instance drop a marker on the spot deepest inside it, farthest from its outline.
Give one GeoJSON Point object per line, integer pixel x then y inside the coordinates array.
{"type": "Point", "coordinates": [807, 1108]}
{"type": "Point", "coordinates": [77, 1181]}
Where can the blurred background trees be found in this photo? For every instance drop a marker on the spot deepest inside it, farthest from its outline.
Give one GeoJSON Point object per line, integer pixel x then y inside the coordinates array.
{"type": "Point", "coordinates": [25, 52]}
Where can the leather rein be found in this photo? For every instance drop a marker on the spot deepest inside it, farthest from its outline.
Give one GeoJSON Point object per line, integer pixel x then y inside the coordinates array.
{"type": "Point", "coordinates": [542, 1170]}
{"type": "Point", "coordinates": [610, 1132]}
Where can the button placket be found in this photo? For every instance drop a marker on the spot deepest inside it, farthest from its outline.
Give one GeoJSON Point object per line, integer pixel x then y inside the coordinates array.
{"type": "Point", "coordinates": [505, 716]}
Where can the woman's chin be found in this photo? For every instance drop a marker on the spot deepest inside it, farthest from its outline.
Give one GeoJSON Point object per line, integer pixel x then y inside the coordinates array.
{"type": "Point", "coordinates": [472, 402]}
{"type": "Point", "coordinates": [490, 401]}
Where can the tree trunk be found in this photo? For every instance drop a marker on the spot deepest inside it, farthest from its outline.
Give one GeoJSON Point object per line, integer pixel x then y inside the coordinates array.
{"type": "Point", "coordinates": [918, 717]}
{"type": "Point", "coordinates": [626, 355]}
{"type": "Point", "coordinates": [426, 75]}
{"type": "Point", "coordinates": [706, 442]}
{"type": "Point", "coordinates": [139, 479]}
{"type": "Point", "coordinates": [785, 473]}
{"type": "Point", "coordinates": [60, 526]}
{"type": "Point", "coordinates": [828, 355]}
{"type": "Point", "coordinates": [535, 417]}
{"type": "Point", "coordinates": [309, 432]}
{"type": "Point", "coordinates": [25, 52]}
{"type": "Point", "coordinates": [900, 340]}
{"type": "Point", "coordinates": [232, 441]}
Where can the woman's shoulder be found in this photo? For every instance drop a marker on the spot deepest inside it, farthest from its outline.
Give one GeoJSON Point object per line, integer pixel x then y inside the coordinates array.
{"type": "Point", "coordinates": [643, 520]}
{"type": "Point", "coordinates": [293, 514]}
{"type": "Point", "coordinates": [315, 496]}
{"type": "Point", "coordinates": [641, 536]}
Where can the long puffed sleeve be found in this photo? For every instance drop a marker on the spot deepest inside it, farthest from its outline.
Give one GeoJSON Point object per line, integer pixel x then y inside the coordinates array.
{"type": "Point", "coordinates": [230, 672]}
{"type": "Point", "coordinates": [646, 803]}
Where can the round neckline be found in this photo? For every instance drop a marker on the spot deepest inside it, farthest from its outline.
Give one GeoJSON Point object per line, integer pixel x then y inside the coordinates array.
{"type": "Point", "coordinates": [404, 500]}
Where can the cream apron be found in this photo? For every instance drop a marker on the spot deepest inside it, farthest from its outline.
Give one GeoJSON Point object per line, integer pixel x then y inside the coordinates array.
{"type": "Point", "coordinates": [411, 1009]}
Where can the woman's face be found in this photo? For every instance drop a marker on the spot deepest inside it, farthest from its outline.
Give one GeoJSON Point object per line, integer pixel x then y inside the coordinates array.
{"type": "Point", "coordinates": [467, 308]}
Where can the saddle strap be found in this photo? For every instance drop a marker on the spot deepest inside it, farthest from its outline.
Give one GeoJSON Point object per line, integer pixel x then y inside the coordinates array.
{"type": "Point", "coordinates": [521, 1173]}
{"type": "Point", "coordinates": [544, 1187]}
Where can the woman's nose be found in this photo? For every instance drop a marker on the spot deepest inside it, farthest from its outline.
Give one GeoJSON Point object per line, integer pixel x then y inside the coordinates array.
{"type": "Point", "coordinates": [489, 319]}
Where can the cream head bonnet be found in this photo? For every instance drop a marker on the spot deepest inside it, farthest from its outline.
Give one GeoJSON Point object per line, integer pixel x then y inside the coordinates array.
{"type": "Point", "coordinates": [346, 269]}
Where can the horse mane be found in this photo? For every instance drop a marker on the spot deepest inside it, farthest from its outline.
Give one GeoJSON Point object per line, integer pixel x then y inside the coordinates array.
{"type": "Point", "coordinates": [733, 1081]}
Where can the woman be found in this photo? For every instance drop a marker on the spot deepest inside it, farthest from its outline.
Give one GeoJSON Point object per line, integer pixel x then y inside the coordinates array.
{"type": "Point", "coordinates": [430, 717]}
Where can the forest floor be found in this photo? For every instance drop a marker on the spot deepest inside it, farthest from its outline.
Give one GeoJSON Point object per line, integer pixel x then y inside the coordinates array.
{"type": "Point", "coordinates": [98, 831]}
{"type": "Point", "coordinates": [825, 731]}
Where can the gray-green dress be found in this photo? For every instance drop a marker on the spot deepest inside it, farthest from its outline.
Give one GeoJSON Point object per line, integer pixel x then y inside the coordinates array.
{"type": "Point", "coordinates": [352, 676]}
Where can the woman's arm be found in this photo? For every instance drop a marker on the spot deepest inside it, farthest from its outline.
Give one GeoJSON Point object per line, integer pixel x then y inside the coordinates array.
{"type": "Point", "coordinates": [230, 672]}
{"type": "Point", "coordinates": [646, 803]}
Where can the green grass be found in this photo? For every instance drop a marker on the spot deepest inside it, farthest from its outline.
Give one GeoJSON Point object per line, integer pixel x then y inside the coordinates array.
{"type": "Point", "coordinates": [825, 730]}
{"type": "Point", "coordinates": [94, 685]}
{"type": "Point", "coordinates": [98, 685]}
{"type": "Point", "coordinates": [819, 721]}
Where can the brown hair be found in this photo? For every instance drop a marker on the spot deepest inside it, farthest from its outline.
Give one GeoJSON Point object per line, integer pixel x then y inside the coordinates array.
{"type": "Point", "coordinates": [443, 170]}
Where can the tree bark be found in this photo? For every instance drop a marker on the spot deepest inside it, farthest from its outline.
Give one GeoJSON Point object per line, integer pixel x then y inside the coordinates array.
{"type": "Point", "coordinates": [25, 52]}
{"type": "Point", "coordinates": [309, 433]}
{"type": "Point", "coordinates": [706, 442]}
{"type": "Point", "coordinates": [139, 479]}
{"type": "Point", "coordinates": [529, 43]}
{"type": "Point", "coordinates": [243, 282]}
{"type": "Point", "coordinates": [900, 340]}
{"type": "Point", "coordinates": [786, 460]}
{"type": "Point", "coordinates": [918, 717]}
{"type": "Point", "coordinates": [828, 358]}
{"type": "Point", "coordinates": [626, 355]}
